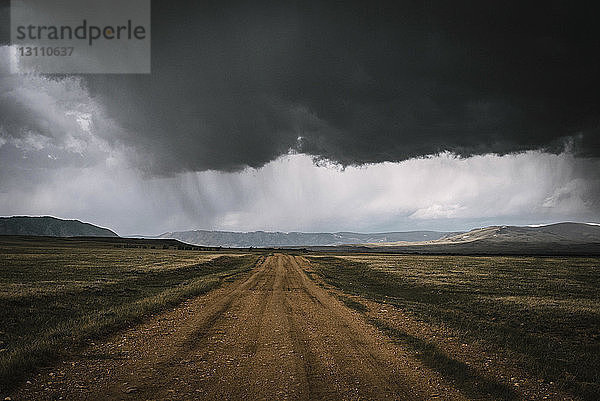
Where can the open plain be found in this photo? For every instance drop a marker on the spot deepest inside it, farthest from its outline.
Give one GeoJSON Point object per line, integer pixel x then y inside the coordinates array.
{"type": "Point", "coordinates": [282, 325]}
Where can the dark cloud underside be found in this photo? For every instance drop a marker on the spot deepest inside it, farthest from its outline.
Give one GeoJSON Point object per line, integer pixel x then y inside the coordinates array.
{"type": "Point", "coordinates": [239, 84]}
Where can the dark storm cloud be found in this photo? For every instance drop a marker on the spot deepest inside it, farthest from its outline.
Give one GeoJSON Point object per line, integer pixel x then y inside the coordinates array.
{"type": "Point", "coordinates": [4, 22]}
{"type": "Point", "coordinates": [238, 84]}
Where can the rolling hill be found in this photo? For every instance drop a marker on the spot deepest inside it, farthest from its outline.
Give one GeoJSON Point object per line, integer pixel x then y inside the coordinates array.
{"type": "Point", "coordinates": [560, 238]}
{"type": "Point", "coordinates": [558, 233]}
{"type": "Point", "coordinates": [51, 226]}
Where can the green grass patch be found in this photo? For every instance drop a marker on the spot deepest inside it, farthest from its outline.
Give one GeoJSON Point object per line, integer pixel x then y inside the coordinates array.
{"type": "Point", "coordinates": [56, 300]}
{"type": "Point", "coordinates": [543, 312]}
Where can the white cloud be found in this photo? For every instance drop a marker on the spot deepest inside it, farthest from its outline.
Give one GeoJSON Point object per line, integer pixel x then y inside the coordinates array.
{"type": "Point", "coordinates": [41, 115]}
{"type": "Point", "coordinates": [437, 211]}
{"type": "Point", "coordinates": [292, 193]}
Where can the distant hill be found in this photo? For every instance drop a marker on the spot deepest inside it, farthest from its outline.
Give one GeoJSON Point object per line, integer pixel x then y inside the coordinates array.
{"type": "Point", "coordinates": [280, 239]}
{"type": "Point", "coordinates": [51, 226]}
{"type": "Point", "coordinates": [560, 238]}
{"type": "Point", "coordinates": [552, 233]}
{"type": "Point", "coordinates": [552, 239]}
{"type": "Point", "coordinates": [560, 232]}
{"type": "Point", "coordinates": [28, 241]}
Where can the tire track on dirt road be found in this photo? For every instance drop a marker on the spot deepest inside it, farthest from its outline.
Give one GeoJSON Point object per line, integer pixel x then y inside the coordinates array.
{"type": "Point", "coordinates": [273, 334]}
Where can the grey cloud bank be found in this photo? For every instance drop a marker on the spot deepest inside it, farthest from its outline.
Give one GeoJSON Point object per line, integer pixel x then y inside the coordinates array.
{"type": "Point", "coordinates": [239, 84]}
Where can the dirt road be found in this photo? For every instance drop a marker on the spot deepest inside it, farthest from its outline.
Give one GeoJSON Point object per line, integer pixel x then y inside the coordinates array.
{"type": "Point", "coordinates": [274, 334]}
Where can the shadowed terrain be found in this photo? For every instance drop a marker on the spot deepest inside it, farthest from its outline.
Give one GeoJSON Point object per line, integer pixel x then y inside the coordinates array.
{"type": "Point", "coordinates": [86, 319]}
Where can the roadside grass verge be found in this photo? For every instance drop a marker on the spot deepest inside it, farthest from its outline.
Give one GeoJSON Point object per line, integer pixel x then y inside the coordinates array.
{"type": "Point", "coordinates": [54, 302]}
{"type": "Point", "coordinates": [544, 313]}
{"type": "Point", "coordinates": [471, 382]}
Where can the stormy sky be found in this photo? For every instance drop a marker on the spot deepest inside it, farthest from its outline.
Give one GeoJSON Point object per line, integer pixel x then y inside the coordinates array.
{"type": "Point", "coordinates": [318, 116]}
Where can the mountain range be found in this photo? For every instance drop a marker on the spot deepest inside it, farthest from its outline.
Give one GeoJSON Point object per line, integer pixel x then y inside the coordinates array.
{"type": "Point", "coordinates": [281, 239]}
{"type": "Point", "coordinates": [560, 238]}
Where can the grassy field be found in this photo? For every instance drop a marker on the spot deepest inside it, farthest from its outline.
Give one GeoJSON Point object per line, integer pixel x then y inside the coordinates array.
{"type": "Point", "coordinates": [56, 298]}
{"type": "Point", "coordinates": [543, 313]}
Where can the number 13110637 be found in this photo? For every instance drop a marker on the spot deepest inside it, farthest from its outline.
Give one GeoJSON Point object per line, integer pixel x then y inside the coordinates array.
{"type": "Point", "coordinates": [45, 51]}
